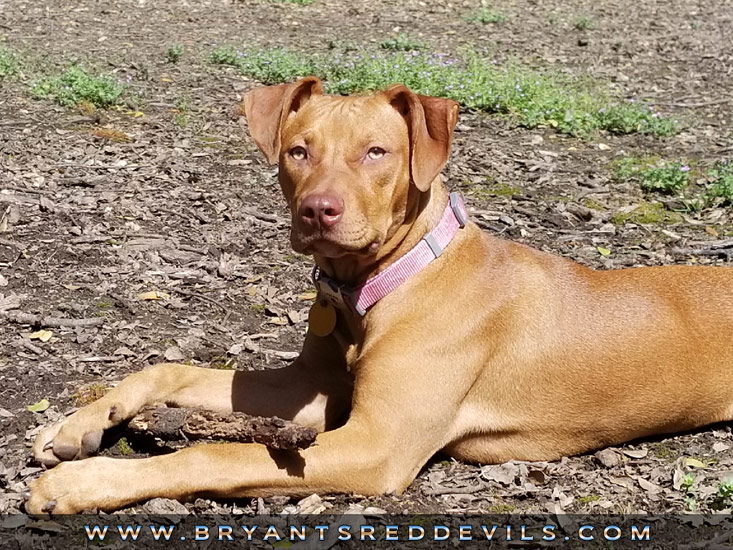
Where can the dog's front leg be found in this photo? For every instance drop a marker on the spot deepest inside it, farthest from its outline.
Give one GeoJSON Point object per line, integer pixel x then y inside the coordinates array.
{"type": "Point", "coordinates": [390, 434]}
{"type": "Point", "coordinates": [353, 458]}
{"type": "Point", "coordinates": [314, 391]}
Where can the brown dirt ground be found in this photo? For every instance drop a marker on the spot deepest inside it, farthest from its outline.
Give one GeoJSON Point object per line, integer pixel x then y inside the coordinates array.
{"type": "Point", "coordinates": [91, 223]}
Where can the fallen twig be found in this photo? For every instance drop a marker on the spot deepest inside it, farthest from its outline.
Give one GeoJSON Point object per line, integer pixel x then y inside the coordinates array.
{"type": "Point", "coordinates": [176, 424]}
{"type": "Point", "coordinates": [712, 248]}
{"type": "Point", "coordinates": [193, 294]}
{"type": "Point", "coordinates": [262, 216]}
{"type": "Point", "coordinates": [47, 321]}
{"type": "Point", "coordinates": [703, 252]}
{"type": "Point", "coordinates": [435, 490]}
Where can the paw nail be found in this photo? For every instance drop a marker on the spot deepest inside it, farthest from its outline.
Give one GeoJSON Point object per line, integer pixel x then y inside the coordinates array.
{"type": "Point", "coordinates": [26, 495]}
{"type": "Point", "coordinates": [49, 506]}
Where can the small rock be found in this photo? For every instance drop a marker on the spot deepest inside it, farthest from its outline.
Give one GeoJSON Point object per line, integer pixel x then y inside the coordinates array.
{"type": "Point", "coordinates": [174, 353]}
{"type": "Point", "coordinates": [311, 505]}
{"type": "Point", "coordinates": [608, 458]}
{"type": "Point", "coordinates": [164, 506]}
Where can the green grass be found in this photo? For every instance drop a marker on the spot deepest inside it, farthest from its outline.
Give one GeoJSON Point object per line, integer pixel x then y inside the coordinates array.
{"type": "Point", "coordinates": [533, 98]}
{"type": "Point", "coordinates": [487, 16]}
{"type": "Point", "coordinates": [402, 43]}
{"type": "Point", "coordinates": [9, 63]}
{"type": "Point", "coordinates": [75, 85]}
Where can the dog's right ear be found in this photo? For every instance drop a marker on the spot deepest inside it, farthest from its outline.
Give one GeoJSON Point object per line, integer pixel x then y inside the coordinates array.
{"type": "Point", "coordinates": [267, 108]}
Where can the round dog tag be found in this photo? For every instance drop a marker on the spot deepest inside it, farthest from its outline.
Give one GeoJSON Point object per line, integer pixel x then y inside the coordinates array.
{"type": "Point", "coordinates": [321, 318]}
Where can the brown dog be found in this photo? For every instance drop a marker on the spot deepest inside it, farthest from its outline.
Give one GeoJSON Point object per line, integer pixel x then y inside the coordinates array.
{"type": "Point", "coordinates": [436, 335]}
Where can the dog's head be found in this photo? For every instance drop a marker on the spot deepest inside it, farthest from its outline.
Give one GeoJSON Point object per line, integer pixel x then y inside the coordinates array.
{"type": "Point", "coordinates": [350, 167]}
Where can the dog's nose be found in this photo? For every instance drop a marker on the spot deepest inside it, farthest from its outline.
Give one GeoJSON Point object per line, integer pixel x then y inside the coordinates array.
{"type": "Point", "coordinates": [323, 211]}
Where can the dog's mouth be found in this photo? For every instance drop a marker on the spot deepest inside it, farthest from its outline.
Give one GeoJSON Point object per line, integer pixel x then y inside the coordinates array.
{"type": "Point", "coordinates": [330, 246]}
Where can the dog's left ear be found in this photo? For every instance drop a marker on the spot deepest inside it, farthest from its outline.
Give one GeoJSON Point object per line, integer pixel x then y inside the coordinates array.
{"type": "Point", "coordinates": [430, 121]}
{"type": "Point", "coordinates": [267, 108]}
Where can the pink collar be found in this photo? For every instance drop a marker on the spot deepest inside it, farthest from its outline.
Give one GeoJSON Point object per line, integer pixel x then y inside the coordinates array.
{"type": "Point", "coordinates": [361, 298]}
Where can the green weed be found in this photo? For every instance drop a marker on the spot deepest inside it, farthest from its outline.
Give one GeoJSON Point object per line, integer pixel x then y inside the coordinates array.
{"type": "Point", "coordinates": [687, 482]}
{"type": "Point", "coordinates": [584, 23]}
{"type": "Point", "coordinates": [182, 112]}
{"type": "Point", "coordinates": [75, 84]}
{"type": "Point", "coordinates": [487, 16]}
{"type": "Point", "coordinates": [720, 187]}
{"type": "Point", "coordinates": [654, 174]}
{"type": "Point", "coordinates": [9, 63]}
{"type": "Point", "coordinates": [174, 53]}
{"type": "Point", "coordinates": [402, 43]}
{"type": "Point", "coordinates": [533, 98]}
{"type": "Point", "coordinates": [725, 491]}
{"type": "Point", "coordinates": [343, 45]}
{"type": "Point", "coordinates": [124, 447]}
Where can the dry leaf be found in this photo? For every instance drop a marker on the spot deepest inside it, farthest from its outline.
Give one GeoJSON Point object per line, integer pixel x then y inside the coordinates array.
{"type": "Point", "coordinates": [41, 406]}
{"type": "Point", "coordinates": [641, 453]}
{"type": "Point", "coordinates": [42, 335]}
{"type": "Point", "coordinates": [648, 486]}
{"type": "Point", "coordinates": [9, 302]}
{"type": "Point", "coordinates": [694, 463]}
{"type": "Point", "coordinates": [153, 295]}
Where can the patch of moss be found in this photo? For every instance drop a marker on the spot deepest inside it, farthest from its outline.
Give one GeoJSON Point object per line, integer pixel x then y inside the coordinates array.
{"type": "Point", "coordinates": [502, 508]}
{"type": "Point", "coordinates": [648, 213]}
{"type": "Point", "coordinates": [592, 204]}
{"type": "Point", "coordinates": [582, 501]}
{"type": "Point", "coordinates": [503, 190]}
{"type": "Point", "coordinates": [88, 393]}
{"type": "Point", "coordinates": [110, 134]}
{"type": "Point", "coordinates": [660, 450]}
{"type": "Point", "coordinates": [222, 362]}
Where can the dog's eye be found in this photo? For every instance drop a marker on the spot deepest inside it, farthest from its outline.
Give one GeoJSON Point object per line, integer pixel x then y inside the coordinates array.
{"type": "Point", "coordinates": [376, 153]}
{"type": "Point", "coordinates": [298, 153]}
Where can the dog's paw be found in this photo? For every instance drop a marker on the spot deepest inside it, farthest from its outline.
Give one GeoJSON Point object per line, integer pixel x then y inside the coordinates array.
{"type": "Point", "coordinates": [76, 437]}
{"type": "Point", "coordinates": [71, 488]}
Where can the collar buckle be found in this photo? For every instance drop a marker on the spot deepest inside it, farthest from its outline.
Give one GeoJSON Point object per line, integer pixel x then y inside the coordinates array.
{"type": "Point", "coordinates": [338, 295]}
{"type": "Point", "coordinates": [459, 210]}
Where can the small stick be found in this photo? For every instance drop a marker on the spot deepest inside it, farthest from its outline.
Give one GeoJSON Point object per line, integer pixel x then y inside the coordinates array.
{"type": "Point", "coordinates": [178, 424]}
{"type": "Point", "coordinates": [43, 321]}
